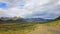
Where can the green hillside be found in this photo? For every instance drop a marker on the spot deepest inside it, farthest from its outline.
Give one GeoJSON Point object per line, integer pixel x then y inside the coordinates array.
{"type": "Point", "coordinates": [54, 22]}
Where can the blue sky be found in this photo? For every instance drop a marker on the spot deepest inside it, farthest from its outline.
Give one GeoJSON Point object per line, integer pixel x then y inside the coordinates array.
{"type": "Point", "coordinates": [2, 5]}
{"type": "Point", "coordinates": [30, 8]}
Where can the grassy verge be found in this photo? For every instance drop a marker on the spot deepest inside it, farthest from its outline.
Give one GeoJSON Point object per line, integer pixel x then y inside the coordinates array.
{"type": "Point", "coordinates": [16, 28]}
{"type": "Point", "coordinates": [53, 23]}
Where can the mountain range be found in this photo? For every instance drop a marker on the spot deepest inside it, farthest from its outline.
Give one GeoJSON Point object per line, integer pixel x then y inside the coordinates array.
{"type": "Point", "coordinates": [19, 19]}
{"type": "Point", "coordinates": [37, 19]}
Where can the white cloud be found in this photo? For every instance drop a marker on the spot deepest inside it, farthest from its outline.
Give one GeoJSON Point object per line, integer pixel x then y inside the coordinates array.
{"type": "Point", "coordinates": [31, 7]}
{"type": "Point", "coordinates": [19, 12]}
{"type": "Point", "coordinates": [3, 13]}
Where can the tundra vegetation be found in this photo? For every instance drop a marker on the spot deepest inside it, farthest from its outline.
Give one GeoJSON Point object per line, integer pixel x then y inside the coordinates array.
{"type": "Point", "coordinates": [16, 27]}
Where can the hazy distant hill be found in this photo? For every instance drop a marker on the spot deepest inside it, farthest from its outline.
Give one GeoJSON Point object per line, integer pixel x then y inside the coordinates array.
{"type": "Point", "coordinates": [13, 19]}
{"type": "Point", "coordinates": [19, 19]}
{"type": "Point", "coordinates": [37, 19]}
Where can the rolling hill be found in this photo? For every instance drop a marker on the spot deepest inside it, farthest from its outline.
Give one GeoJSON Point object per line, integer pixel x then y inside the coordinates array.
{"type": "Point", "coordinates": [54, 22]}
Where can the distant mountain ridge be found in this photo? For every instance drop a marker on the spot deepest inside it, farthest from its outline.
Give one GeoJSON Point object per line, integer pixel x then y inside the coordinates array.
{"type": "Point", "coordinates": [19, 19]}
{"type": "Point", "coordinates": [13, 19]}
{"type": "Point", "coordinates": [37, 19]}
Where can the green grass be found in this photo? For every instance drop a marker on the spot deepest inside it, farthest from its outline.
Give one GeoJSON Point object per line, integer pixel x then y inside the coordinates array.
{"type": "Point", "coordinates": [16, 28]}
{"type": "Point", "coordinates": [53, 23]}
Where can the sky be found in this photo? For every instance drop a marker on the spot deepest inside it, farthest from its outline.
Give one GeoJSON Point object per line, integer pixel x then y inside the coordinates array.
{"type": "Point", "coordinates": [30, 8]}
